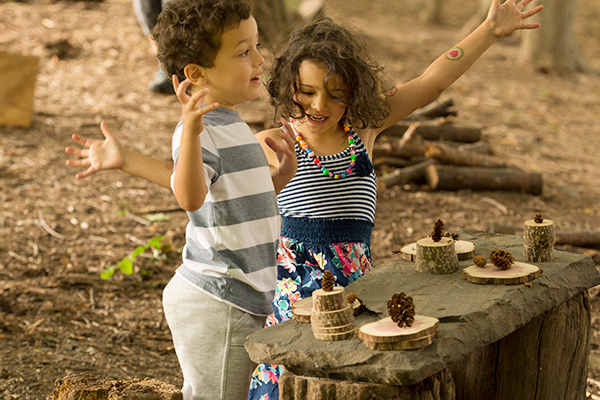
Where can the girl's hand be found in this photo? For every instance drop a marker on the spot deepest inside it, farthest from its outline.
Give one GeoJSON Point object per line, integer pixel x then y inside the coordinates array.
{"type": "Point", "coordinates": [509, 16]}
{"type": "Point", "coordinates": [191, 106]}
{"type": "Point", "coordinates": [97, 155]}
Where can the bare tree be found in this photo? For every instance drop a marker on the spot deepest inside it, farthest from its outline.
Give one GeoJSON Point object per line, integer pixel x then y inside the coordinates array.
{"type": "Point", "coordinates": [553, 46]}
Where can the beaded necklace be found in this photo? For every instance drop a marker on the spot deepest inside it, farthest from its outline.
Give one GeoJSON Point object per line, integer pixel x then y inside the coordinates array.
{"type": "Point", "coordinates": [311, 154]}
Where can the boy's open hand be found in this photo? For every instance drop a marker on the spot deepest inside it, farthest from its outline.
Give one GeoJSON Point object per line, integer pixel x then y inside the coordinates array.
{"type": "Point", "coordinates": [286, 155]}
{"type": "Point", "coordinates": [97, 155]}
{"type": "Point", "coordinates": [509, 16]}
{"type": "Point", "coordinates": [191, 106]}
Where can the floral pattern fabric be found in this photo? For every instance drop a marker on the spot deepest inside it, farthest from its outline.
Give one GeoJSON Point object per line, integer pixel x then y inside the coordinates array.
{"type": "Point", "coordinates": [299, 272]}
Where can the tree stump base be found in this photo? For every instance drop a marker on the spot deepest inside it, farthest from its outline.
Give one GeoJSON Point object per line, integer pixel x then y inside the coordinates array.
{"type": "Point", "coordinates": [436, 258]}
{"type": "Point", "coordinates": [464, 250]}
{"type": "Point", "coordinates": [385, 334]}
{"type": "Point", "coordinates": [490, 275]}
{"type": "Point", "coordinates": [86, 387]}
{"type": "Point", "coordinates": [331, 317]}
{"type": "Point", "coordinates": [539, 241]}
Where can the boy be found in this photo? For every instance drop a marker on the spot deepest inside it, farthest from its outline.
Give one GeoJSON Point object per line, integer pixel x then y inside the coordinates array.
{"type": "Point", "coordinates": [223, 290]}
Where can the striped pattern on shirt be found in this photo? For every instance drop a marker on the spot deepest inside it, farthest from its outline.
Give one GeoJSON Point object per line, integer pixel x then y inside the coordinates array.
{"type": "Point", "coordinates": [310, 194]}
{"type": "Point", "coordinates": [231, 241]}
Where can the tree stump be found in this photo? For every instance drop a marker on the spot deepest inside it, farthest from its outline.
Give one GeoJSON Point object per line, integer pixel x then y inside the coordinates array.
{"type": "Point", "coordinates": [331, 317]}
{"type": "Point", "coordinates": [301, 310]}
{"type": "Point", "coordinates": [86, 387]}
{"type": "Point", "coordinates": [539, 241]}
{"type": "Point", "coordinates": [436, 258]}
{"type": "Point", "coordinates": [385, 334]}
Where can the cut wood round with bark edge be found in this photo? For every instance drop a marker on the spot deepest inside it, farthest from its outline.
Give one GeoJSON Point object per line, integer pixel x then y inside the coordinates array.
{"type": "Point", "coordinates": [464, 250]}
{"type": "Point", "coordinates": [436, 258]}
{"type": "Point", "coordinates": [539, 239]}
{"type": "Point", "coordinates": [332, 318]}
{"type": "Point", "coordinates": [329, 301]}
{"type": "Point", "coordinates": [335, 336]}
{"type": "Point", "coordinates": [301, 309]}
{"type": "Point", "coordinates": [490, 275]}
{"type": "Point", "coordinates": [385, 334]}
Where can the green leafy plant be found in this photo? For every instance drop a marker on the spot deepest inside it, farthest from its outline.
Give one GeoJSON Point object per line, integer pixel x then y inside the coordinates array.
{"type": "Point", "coordinates": [126, 264]}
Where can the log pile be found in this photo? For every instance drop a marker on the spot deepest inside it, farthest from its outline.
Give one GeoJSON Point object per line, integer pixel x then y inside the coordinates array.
{"type": "Point", "coordinates": [429, 147]}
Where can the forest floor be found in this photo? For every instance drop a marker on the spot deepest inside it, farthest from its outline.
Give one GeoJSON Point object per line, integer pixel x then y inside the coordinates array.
{"type": "Point", "coordinates": [57, 234]}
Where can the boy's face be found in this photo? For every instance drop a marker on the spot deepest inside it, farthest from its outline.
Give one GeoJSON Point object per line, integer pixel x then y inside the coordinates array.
{"type": "Point", "coordinates": [235, 76]}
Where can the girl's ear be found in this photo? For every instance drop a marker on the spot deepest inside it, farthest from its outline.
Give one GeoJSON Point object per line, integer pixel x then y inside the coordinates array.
{"type": "Point", "coordinates": [195, 74]}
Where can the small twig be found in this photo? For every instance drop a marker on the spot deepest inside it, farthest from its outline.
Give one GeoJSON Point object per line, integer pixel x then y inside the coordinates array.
{"type": "Point", "coordinates": [47, 227]}
{"type": "Point", "coordinates": [496, 204]}
{"type": "Point", "coordinates": [138, 219]}
{"type": "Point", "coordinates": [92, 300]}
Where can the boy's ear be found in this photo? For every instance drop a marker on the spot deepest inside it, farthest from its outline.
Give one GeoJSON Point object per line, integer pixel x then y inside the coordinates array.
{"type": "Point", "coordinates": [195, 74]}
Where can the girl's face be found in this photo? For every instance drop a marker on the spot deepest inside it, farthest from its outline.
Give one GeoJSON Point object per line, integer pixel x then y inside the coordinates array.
{"type": "Point", "coordinates": [323, 111]}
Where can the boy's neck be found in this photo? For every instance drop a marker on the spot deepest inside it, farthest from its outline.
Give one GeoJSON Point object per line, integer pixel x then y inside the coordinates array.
{"type": "Point", "coordinates": [208, 99]}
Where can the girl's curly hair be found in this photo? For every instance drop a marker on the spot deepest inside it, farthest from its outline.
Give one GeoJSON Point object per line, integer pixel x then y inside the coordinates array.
{"type": "Point", "coordinates": [190, 31]}
{"type": "Point", "coordinates": [344, 56]}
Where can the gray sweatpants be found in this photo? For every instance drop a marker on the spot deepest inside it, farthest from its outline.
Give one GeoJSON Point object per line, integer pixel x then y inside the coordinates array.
{"type": "Point", "coordinates": [147, 12]}
{"type": "Point", "coordinates": [209, 337]}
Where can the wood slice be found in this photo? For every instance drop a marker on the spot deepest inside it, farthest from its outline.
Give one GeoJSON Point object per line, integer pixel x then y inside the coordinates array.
{"type": "Point", "coordinates": [387, 331]}
{"type": "Point", "coordinates": [17, 84]}
{"type": "Point", "coordinates": [335, 336]}
{"type": "Point", "coordinates": [519, 273]}
{"type": "Point", "coordinates": [329, 301]}
{"type": "Point", "coordinates": [539, 241]}
{"type": "Point", "coordinates": [332, 318]}
{"type": "Point", "coordinates": [385, 334]}
{"type": "Point", "coordinates": [464, 250]}
{"type": "Point", "coordinates": [404, 345]}
{"type": "Point", "coordinates": [334, 329]}
{"type": "Point", "coordinates": [301, 310]}
{"type": "Point", "coordinates": [436, 258]}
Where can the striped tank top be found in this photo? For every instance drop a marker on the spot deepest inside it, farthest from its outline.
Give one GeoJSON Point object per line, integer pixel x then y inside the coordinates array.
{"type": "Point", "coordinates": [319, 209]}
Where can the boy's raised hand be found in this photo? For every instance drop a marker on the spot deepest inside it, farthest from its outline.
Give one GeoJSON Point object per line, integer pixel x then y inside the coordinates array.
{"type": "Point", "coordinates": [97, 155]}
{"type": "Point", "coordinates": [509, 16]}
{"type": "Point", "coordinates": [191, 106]}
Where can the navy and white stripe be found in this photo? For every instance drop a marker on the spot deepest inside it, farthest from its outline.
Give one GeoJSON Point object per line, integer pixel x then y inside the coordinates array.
{"type": "Point", "coordinates": [310, 194]}
{"type": "Point", "coordinates": [231, 241]}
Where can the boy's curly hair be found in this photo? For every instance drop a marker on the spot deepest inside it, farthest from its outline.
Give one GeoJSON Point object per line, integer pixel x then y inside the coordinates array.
{"type": "Point", "coordinates": [343, 55]}
{"type": "Point", "coordinates": [190, 31]}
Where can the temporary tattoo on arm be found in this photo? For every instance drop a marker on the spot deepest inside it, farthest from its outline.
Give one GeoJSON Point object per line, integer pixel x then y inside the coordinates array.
{"type": "Point", "coordinates": [455, 54]}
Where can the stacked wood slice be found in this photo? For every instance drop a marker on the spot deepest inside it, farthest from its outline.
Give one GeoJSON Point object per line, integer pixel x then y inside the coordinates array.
{"type": "Point", "coordinates": [331, 317]}
{"type": "Point", "coordinates": [436, 258]}
{"type": "Point", "coordinates": [539, 238]}
{"type": "Point", "coordinates": [464, 250]}
{"type": "Point", "coordinates": [385, 334]}
{"type": "Point", "coordinates": [302, 309]}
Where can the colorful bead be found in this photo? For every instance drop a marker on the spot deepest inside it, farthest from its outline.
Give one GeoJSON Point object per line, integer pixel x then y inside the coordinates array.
{"type": "Point", "coordinates": [351, 142]}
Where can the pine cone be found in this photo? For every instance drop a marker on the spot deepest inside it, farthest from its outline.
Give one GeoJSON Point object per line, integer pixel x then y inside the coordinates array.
{"type": "Point", "coordinates": [502, 259]}
{"type": "Point", "coordinates": [328, 280]}
{"type": "Point", "coordinates": [438, 231]}
{"type": "Point", "coordinates": [402, 309]}
{"type": "Point", "coordinates": [351, 298]}
{"type": "Point", "coordinates": [538, 219]}
{"type": "Point", "coordinates": [480, 261]}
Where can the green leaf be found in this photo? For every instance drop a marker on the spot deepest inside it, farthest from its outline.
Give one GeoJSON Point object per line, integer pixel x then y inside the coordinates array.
{"type": "Point", "coordinates": [155, 242]}
{"type": "Point", "coordinates": [126, 266]}
{"type": "Point", "coordinates": [108, 271]}
{"type": "Point", "coordinates": [138, 250]}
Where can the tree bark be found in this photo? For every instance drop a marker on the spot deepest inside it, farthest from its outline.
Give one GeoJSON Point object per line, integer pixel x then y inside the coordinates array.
{"type": "Point", "coordinates": [553, 47]}
{"type": "Point", "coordinates": [446, 177]}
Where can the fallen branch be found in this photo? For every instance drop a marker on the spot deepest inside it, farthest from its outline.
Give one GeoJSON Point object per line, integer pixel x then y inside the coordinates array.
{"type": "Point", "coordinates": [447, 154]}
{"type": "Point", "coordinates": [435, 130]}
{"type": "Point", "coordinates": [446, 177]}
{"type": "Point", "coordinates": [409, 174]}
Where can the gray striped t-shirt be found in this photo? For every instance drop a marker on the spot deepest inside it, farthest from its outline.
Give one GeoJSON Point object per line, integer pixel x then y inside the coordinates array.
{"type": "Point", "coordinates": [231, 241]}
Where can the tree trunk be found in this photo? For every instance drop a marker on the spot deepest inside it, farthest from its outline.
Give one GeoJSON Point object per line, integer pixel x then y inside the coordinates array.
{"type": "Point", "coordinates": [552, 47]}
{"type": "Point", "coordinates": [273, 21]}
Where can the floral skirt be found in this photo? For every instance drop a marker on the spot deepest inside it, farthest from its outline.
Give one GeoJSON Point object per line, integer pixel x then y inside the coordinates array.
{"type": "Point", "coordinates": [299, 272]}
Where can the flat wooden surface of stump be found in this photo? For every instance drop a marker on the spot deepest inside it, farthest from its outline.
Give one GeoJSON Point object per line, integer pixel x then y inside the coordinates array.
{"type": "Point", "coordinates": [464, 250]}
{"type": "Point", "coordinates": [301, 310]}
{"type": "Point", "coordinates": [520, 272]}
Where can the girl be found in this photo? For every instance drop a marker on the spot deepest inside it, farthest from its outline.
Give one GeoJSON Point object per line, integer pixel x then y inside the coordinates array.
{"type": "Point", "coordinates": [325, 84]}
